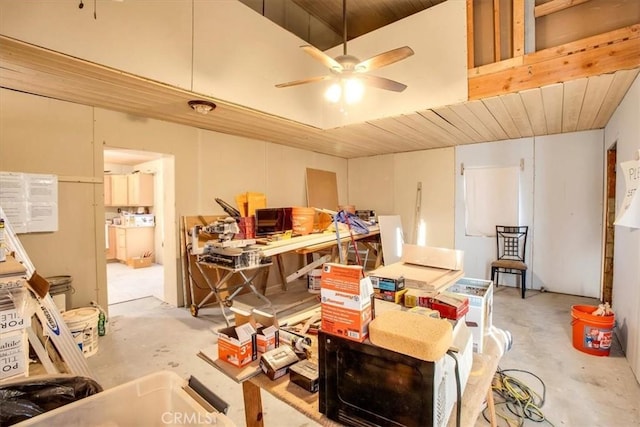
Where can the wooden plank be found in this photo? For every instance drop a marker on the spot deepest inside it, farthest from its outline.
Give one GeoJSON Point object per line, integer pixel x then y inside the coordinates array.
{"type": "Point", "coordinates": [552, 102]}
{"type": "Point", "coordinates": [498, 110]}
{"type": "Point", "coordinates": [513, 103]}
{"type": "Point", "coordinates": [465, 113]}
{"type": "Point", "coordinates": [412, 138]}
{"type": "Point", "coordinates": [482, 112]}
{"type": "Point", "coordinates": [420, 124]}
{"type": "Point", "coordinates": [450, 116]}
{"type": "Point", "coordinates": [621, 83]}
{"type": "Point", "coordinates": [495, 67]}
{"type": "Point", "coordinates": [597, 88]}
{"type": "Point", "coordinates": [555, 6]}
{"type": "Point", "coordinates": [532, 100]}
{"type": "Point", "coordinates": [572, 103]}
{"type": "Point", "coordinates": [470, 38]}
{"type": "Point", "coordinates": [450, 129]}
{"type": "Point", "coordinates": [445, 138]}
{"type": "Point", "coordinates": [518, 28]}
{"type": "Point", "coordinates": [600, 60]}
{"type": "Point", "coordinates": [496, 31]}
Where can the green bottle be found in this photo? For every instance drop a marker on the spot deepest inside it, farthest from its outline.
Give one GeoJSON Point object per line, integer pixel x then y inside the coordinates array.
{"type": "Point", "coordinates": [101, 321]}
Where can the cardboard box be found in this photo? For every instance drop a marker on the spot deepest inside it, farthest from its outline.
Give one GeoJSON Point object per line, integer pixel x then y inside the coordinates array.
{"type": "Point", "coordinates": [275, 363]}
{"type": "Point", "coordinates": [418, 297]}
{"type": "Point", "coordinates": [427, 256]}
{"type": "Point", "coordinates": [264, 324]}
{"type": "Point", "coordinates": [479, 318]}
{"type": "Point", "coordinates": [14, 354]}
{"type": "Point", "coordinates": [305, 374]}
{"type": "Point", "coordinates": [346, 307]}
{"type": "Point", "coordinates": [139, 262]}
{"type": "Point", "coordinates": [392, 284]}
{"type": "Point", "coordinates": [451, 306]}
{"type": "Point", "coordinates": [237, 344]}
{"type": "Point", "coordinates": [396, 297]}
{"type": "Point", "coordinates": [13, 320]}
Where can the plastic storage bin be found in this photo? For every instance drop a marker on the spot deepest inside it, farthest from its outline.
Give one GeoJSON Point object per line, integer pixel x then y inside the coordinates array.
{"type": "Point", "coordinates": [158, 399]}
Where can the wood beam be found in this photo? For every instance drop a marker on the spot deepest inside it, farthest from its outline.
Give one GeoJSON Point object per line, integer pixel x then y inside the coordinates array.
{"type": "Point", "coordinates": [470, 39]}
{"type": "Point", "coordinates": [555, 6]}
{"type": "Point", "coordinates": [496, 31]}
{"type": "Point", "coordinates": [518, 28]}
{"type": "Point", "coordinates": [596, 55]}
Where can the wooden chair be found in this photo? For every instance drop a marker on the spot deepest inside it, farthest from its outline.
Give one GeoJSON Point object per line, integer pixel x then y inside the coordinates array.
{"type": "Point", "coordinates": [511, 244]}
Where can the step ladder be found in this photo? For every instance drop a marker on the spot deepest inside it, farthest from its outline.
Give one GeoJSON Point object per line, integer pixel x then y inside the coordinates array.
{"type": "Point", "coordinates": [53, 325]}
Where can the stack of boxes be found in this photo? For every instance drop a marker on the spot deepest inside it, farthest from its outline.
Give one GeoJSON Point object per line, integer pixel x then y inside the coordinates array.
{"type": "Point", "coordinates": [346, 304]}
{"type": "Point", "coordinates": [14, 344]}
{"type": "Point", "coordinates": [479, 318]}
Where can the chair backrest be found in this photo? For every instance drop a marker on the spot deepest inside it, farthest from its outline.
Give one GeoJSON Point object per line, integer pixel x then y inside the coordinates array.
{"type": "Point", "coordinates": [511, 241]}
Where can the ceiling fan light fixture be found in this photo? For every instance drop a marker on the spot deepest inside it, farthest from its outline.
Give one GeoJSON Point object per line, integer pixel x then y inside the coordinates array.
{"type": "Point", "coordinates": [333, 93]}
{"type": "Point", "coordinates": [353, 90]}
{"type": "Point", "coordinates": [201, 107]}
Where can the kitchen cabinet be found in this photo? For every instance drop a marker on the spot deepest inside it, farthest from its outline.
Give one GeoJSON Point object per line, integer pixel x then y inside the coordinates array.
{"type": "Point", "coordinates": [140, 189]}
{"type": "Point", "coordinates": [128, 190]}
{"type": "Point", "coordinates": [119, 190]}
{"type": "Point", "coordinates": [111, 242]}
{"type": "Point", "coordinates": [133, 242]}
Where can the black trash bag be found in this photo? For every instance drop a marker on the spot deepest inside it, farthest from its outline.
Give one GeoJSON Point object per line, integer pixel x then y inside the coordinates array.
{"type": "Point", "coordinates": [26, 399]}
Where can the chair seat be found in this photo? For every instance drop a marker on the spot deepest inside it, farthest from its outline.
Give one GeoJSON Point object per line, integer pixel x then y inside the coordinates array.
{"type": "Point", "coordinates": [509, 263]}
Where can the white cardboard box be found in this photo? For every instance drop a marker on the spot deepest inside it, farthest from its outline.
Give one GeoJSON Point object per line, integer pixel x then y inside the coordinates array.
{"type": "Point", "coordinates": [14, 354]}
{"type": "Point", "coordinates": [479, 318]}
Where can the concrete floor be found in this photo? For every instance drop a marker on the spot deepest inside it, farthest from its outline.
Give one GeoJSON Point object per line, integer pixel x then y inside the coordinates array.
{"type": "Point", "coordinates": [146, 335]}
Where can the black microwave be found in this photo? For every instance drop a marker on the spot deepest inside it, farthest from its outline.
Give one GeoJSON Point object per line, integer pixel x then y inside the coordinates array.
{"type": "Point", "coordinates": [365, 385]}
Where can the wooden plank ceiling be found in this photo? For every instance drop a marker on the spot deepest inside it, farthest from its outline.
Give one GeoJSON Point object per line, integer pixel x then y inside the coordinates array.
{"type": "Point", "coordinates": [512, 109]}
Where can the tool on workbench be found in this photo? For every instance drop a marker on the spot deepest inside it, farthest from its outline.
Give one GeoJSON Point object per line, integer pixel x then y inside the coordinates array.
{"type": "Point", "coordinates": [230, 210]}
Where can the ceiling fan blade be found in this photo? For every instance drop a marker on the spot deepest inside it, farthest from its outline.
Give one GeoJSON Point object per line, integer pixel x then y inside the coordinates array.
{"type": "Point", "coordinates": [384, 59]}
{"type": "Point", "coordinates": [322, 57]}
{"type": "Point", "coordinates": [382, 83]}
{"type": "Point", "coordinates": [304, 81]}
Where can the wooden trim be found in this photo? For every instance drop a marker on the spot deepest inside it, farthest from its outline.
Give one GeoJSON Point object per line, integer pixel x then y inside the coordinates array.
{"type": "Point", "coordinates": [518, 28]}
{"type": "Point", "coordinates": [601, 59]}
{"type": "Point", "coordinates": [80, 179]}
{"type": "Point", "coordinates": [496, 30]}
{"type": "Point", "coordinates": [470, 39]}
{"type": "Point", "coordinates": [555, 6]}
{"type": "Point", "coordinates": [496, 67]}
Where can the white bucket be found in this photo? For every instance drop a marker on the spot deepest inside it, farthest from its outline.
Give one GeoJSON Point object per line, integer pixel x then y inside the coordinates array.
{"type": "Point", "coordinates": [83, 324]}
{"type": "Point", "coordinates": [313, 281]}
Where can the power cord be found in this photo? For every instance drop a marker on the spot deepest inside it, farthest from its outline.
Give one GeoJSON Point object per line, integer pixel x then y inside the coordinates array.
{"type": "Point", "coordinates": [520, 400]}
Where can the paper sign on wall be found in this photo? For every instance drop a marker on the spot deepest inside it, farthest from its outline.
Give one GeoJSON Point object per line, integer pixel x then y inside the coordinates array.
{"type": "Point", "coordinates": [629, 215]}
{"type": "Point", "coordinates": [30, 201]}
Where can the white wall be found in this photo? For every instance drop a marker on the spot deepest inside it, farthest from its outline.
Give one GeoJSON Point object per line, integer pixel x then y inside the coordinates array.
{"type": "Point", "coordinates": [388, 185]}
{"type": "Point", "coordinates": [567, 236]}
{"type": "Point", "coordinates": [480, 251]}
{"type": "Point", "coordinates": [623, 130]}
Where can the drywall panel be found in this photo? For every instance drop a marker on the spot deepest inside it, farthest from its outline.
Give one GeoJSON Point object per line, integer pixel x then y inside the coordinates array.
{"type": "Point", "coordinates": [436, 74]}
{"type": "Point", "coordinates": [246, 56]}
{"type": "Point", "coordinates": [435, 170]}
{"type": "Point", "coordinates": [41, 135]}
{"type": "Point", "coordinates": [229, 165]}
{"type": "Point", "coordinates": [623, 130]}
{"type": "Point", "coordinates": [568, 213]}
{"type": "Point", "coordinates": [150, 39]}
{"type": "Point", "coordinates": [286, 171]}
{"type": "Point", "coordinates": [372, 184]}
{"type": "Point", "coordinates": [480, 251]}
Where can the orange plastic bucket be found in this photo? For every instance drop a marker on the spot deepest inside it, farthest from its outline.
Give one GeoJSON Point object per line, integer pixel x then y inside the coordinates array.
{"type": "Point", "coordinates": [591, 334]}
{"type": "Point", "coordinates": [302, 220]}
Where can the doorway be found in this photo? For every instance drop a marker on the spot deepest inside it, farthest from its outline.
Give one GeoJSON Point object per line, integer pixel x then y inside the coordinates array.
{"type": "Point", "coordinates": [139, 255]}
{"type": "Point", "coordinates": [609, 229]}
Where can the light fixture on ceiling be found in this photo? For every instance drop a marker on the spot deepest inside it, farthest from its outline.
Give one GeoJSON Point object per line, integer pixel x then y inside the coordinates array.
{"type": "Point", "coordinates": [202, 107]}
{"type": "Point", "coordinates": [349, 90]}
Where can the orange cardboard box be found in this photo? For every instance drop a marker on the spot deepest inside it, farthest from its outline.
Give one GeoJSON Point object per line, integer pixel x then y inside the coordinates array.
{"type": "Point", "coordinates": [346, 323]}
{"type": "Point", "coordinates": [237, 344]}
{"type": "Point", "coordinates": [341, 278]}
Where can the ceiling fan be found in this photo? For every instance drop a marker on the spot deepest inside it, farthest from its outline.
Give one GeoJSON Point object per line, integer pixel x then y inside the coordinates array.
{"type": "Point", "coordinates": [348, 66]}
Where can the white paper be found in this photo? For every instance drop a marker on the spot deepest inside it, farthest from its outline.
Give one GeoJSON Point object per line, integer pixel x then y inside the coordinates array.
{"type": "Point", "coordinates": [42, 216]}
{"type": "Point", "coordinates": [244, 332]}
{"type": "Point", "coordinates": [30, 201]}
{"type": "Point", "coordinates": [629, 214]}
{"type": "Point", "coordinates": [16, 215]}
{"type": "Point", "coordinates": [12, 187]}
